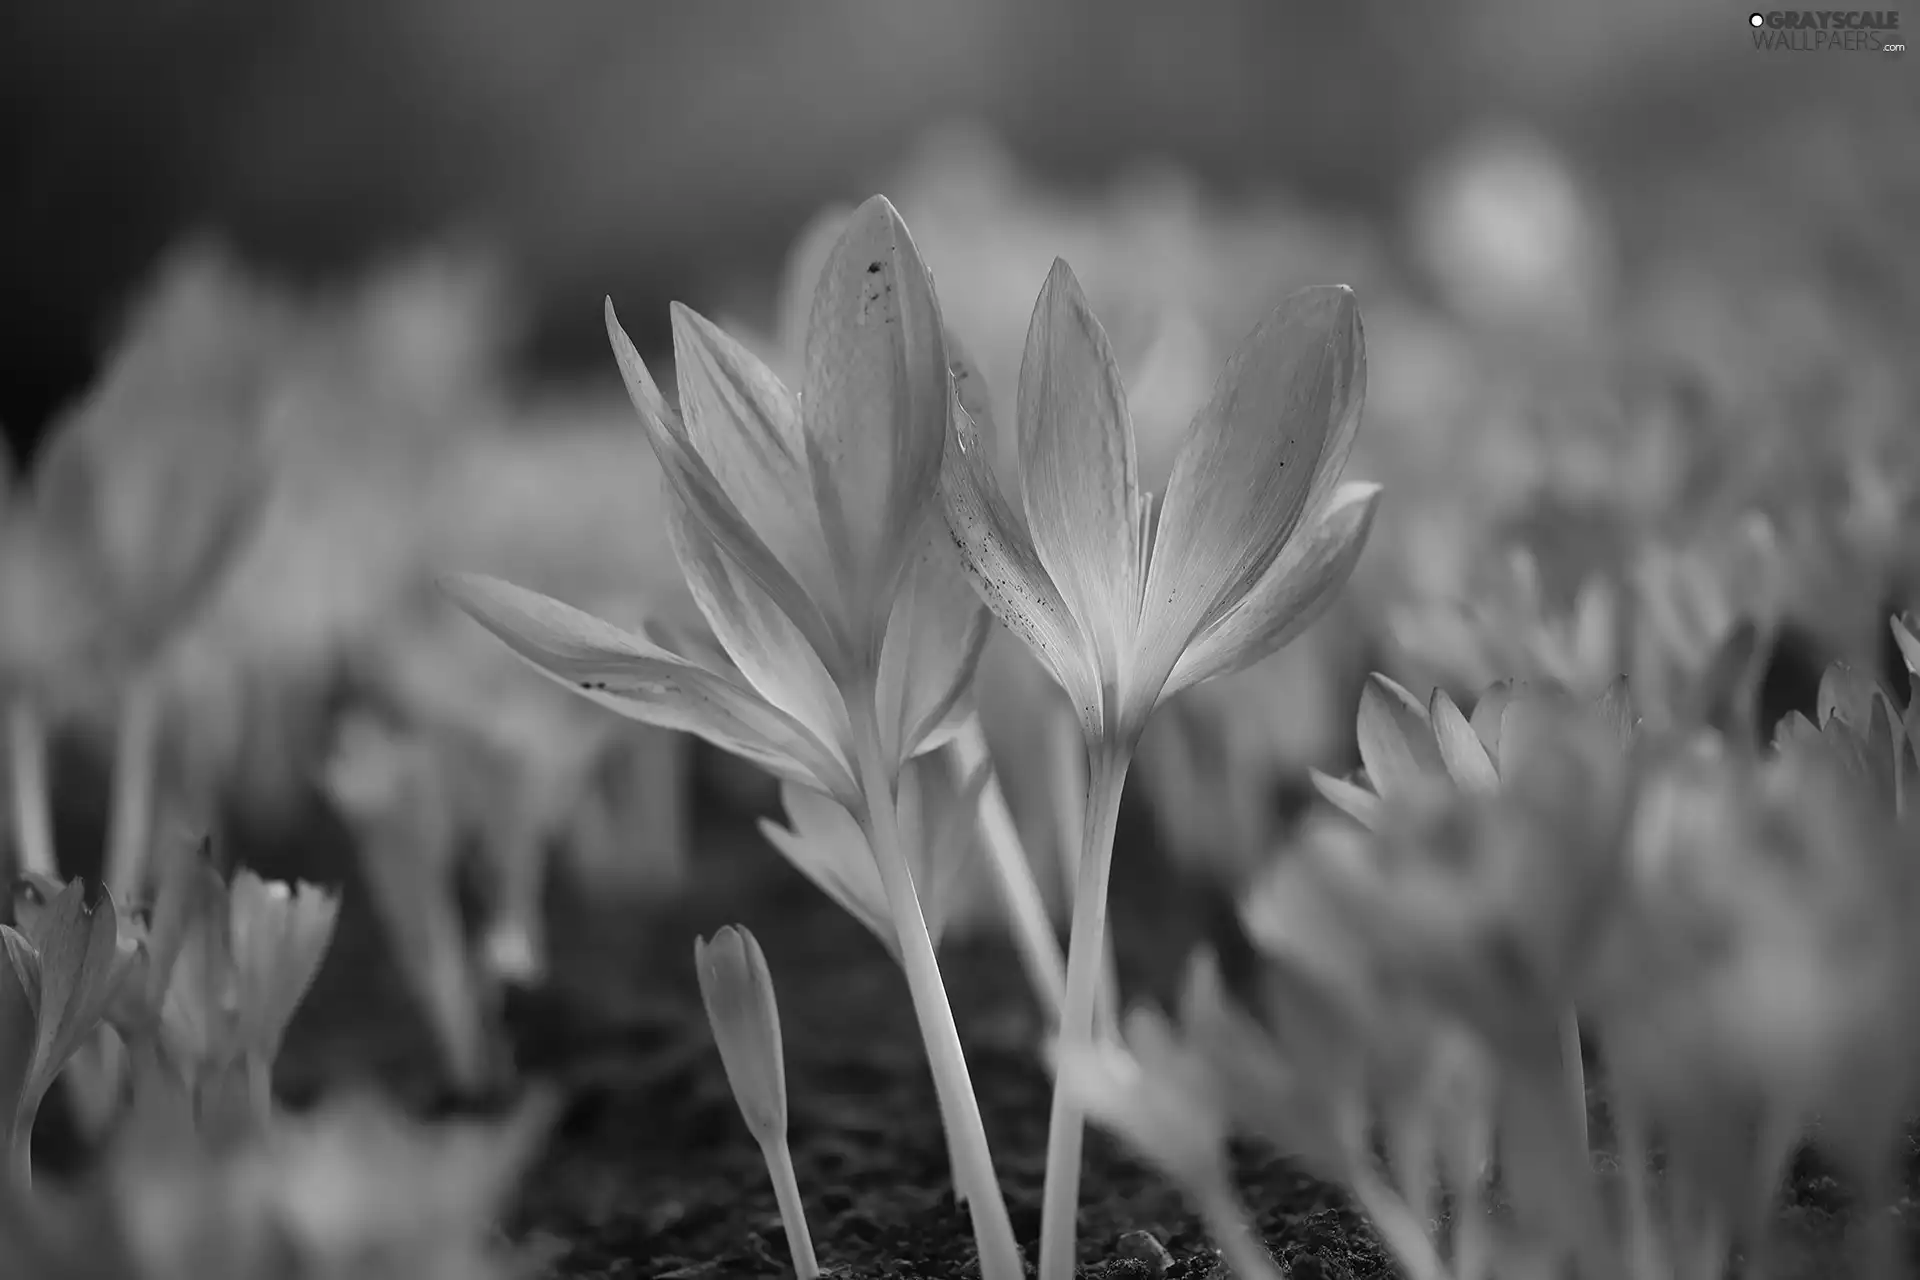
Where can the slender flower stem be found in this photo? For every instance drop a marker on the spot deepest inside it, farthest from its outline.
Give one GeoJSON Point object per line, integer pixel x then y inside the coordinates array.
{"type": "Point", "coordinates": [130, 819]}
{"type": "Point", "coordinates": [1086, 955]}
{"type": "Point", "coordinates": [967, 1135]}
{"type": "Point", "coordinates": [793, 1214]}
{"type": "Point", "coordinates": [20, 1143]}
{"type": "Point", "coordinates": [1404, 1235]}
{"type": "Point", "coordinates": [1233, 1232]}
{"type": "Point", "coordinates": [1067, 776]}
{"type": "Point", "coordinates": [32, 804]}
{"type": "Point", "coordinates": [1013, 873]}
{"type": "Point", "coordinates": [260, 1090]}
{"type": "Point", "coordinates": [1576, 1076]}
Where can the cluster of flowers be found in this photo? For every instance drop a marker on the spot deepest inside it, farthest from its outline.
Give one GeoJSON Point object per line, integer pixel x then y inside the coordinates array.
{"type": "Point", "coordinates": [849, 545]}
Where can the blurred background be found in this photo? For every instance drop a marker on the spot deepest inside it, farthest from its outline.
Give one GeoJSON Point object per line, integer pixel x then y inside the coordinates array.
{"type": "Point", "coordinates": [660, 151]}
{"type": "Point", "coordinates": [1626, 279]}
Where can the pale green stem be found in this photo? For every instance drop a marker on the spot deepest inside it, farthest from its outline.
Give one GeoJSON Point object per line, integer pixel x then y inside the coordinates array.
{"type": "Point", "coordinates": [130, 819]}
{"type": "Point", "coordinates": [967, 1135]}
{"type": "Point", "coordinates": [32, 803]}
{"type": "Point", "coordinates": [20, 1146]}
{"type": "Point", "coordinates": [260, 1090]}
{"type": "Point", "coordinates": [1645, 1253]}
{"type": "Point", "coordinates": [1240, 1246]}
{"type": "Point", "coordinates": [1086, 952]}
{"type": "Point", "coordinates": [1472, 1251]}
{"type": "Point", "coordinates": [1404, 1234]}
{"type": "Point", "coordinates": [1067, 776]}
{"type": "Point", "coordinates": [1576, 1077]}
{"type": "Point", "coordinates": [793, 1214]}
{"type": "Point", "coordinates": [1012, 870]}
{"type": "Point", "coordinates": [1415, 1174]}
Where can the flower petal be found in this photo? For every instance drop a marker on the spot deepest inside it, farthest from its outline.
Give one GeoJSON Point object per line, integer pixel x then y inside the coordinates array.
{"type": "Point", "coordinates": [948, 831]}
{"type": "Point", "coordinates": [737, 990]}
{"type": "Point", "coordinates": [1006, 571]}
{"type": "Point", "coordinates": [78, 948]}
{"type": "Point", "coordinates": [644, 682]}
{"type": "Point", "coordinates": [1487, 713]}
{"type": "Point", "coordinates": [760, 639]}
{"type": "Point", "coordinates": [1461, 751]}
{"type": "Point", "coordinates": [1396, 740]}
{"type": "Point", "coordinates": [1302, 582]}
{"type": "Point", "coordinates": [695, 484]}
{"type": "Point", "coordinates": [826, 845]}
{"type": "Point", "coordinates": [1078, 470]}
{"type": "Point", "coordinates": [933, 643]}
{"type": "Point", "coordinates": [875, 403]}
{"type": "Point", "coordinates": [745, 423]}
{"type": "Point", "coordinates": [1905, 639]}
{"type": "Point", "coordinates": [1358, 803]}
{"type": "Point", "coordinates": [1248, 469]}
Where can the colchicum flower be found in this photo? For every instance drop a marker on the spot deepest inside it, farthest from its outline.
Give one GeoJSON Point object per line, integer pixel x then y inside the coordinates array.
{"type": "Point", "coordinates": [737, 989]}
{"type": "Point", "coordinates": [809, 533]}
{"type": "Point", "coordinates": [392, 789]}
{"type": "Point", "coordinates": [217, 977]}
{"type": "Point", "coordinates": [1126, 601]}
{"type": "Point", "coordinates": [1862, 730]}
{"type": "Point", "coordinates": [1411, 752]}
{"type": "Point", "coordinates": [807, 530]}
{"type": "Point", "coordinates": [128, 526]}
{"type": "Point", "coordinates": [63, 970]}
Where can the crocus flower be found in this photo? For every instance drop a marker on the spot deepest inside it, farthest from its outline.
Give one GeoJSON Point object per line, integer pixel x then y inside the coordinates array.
{"type": "Point", "coordinates": [1126, 601]}
{"type": "Point", "coordinates": [1859, 728]}
{"type": "Point", "coordinates": [61, 974]}
{"type": "Point", "coordinates": [808, 531]}
{"type": "Point", "coordinates": [393, 791]}
{"type": "Point", "coordinates": [219, 973]}
{"type": "Point", "coordinates": [737, 989]}
{"type": "Point", "coordinates": [119, 538]}
{"type": "Point", "coordinates": [280, 937]}
{"type": "Point", "coordinates": [1409, 751]}
{"type": "Point", "coordinates": [805, 526]}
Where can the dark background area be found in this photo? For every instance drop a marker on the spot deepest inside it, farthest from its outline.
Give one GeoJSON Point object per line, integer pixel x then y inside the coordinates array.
{"type": "Point", "coordinates": [670, 149]}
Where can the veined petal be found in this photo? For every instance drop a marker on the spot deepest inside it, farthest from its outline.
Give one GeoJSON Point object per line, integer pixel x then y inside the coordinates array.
{"type": "Point", "coordinates": [760, 639]}
{"type": "Point", "coordinates": [642, 681]}
{"type": "Point", "coordinates": [1396, 740]}
{"type": "Point", "coordinates": [932, 646]}
{"type": "Point", "coordinates": [874, 405]}
{"type": "Point", "coordinates": [1358, 803]}
{"type": "Point", "coordinates": [1466, 759]}
{"type": "Point", "coordinates": [1247, 470]}
{"type": "Point", "coordinates": [1302, 582]}
{"type": "Point", "coordinates": [1007, 573]}
{"type": "Point", "coordinates": [1078, 469]}
{"type": "Point", "coordinates": [694, 482]}
{"type": "Point", "coordinates": [745, 423]}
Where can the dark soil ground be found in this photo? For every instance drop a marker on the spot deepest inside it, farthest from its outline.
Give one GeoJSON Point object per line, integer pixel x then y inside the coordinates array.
{"type": "Point", "coordinates": [651, 1173]}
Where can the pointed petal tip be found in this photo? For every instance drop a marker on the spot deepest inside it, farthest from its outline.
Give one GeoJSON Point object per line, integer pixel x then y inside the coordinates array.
{"type": "Point", "coordinates": [872, 214]}
{"type": "Point", "coordinates": [616, 332]}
